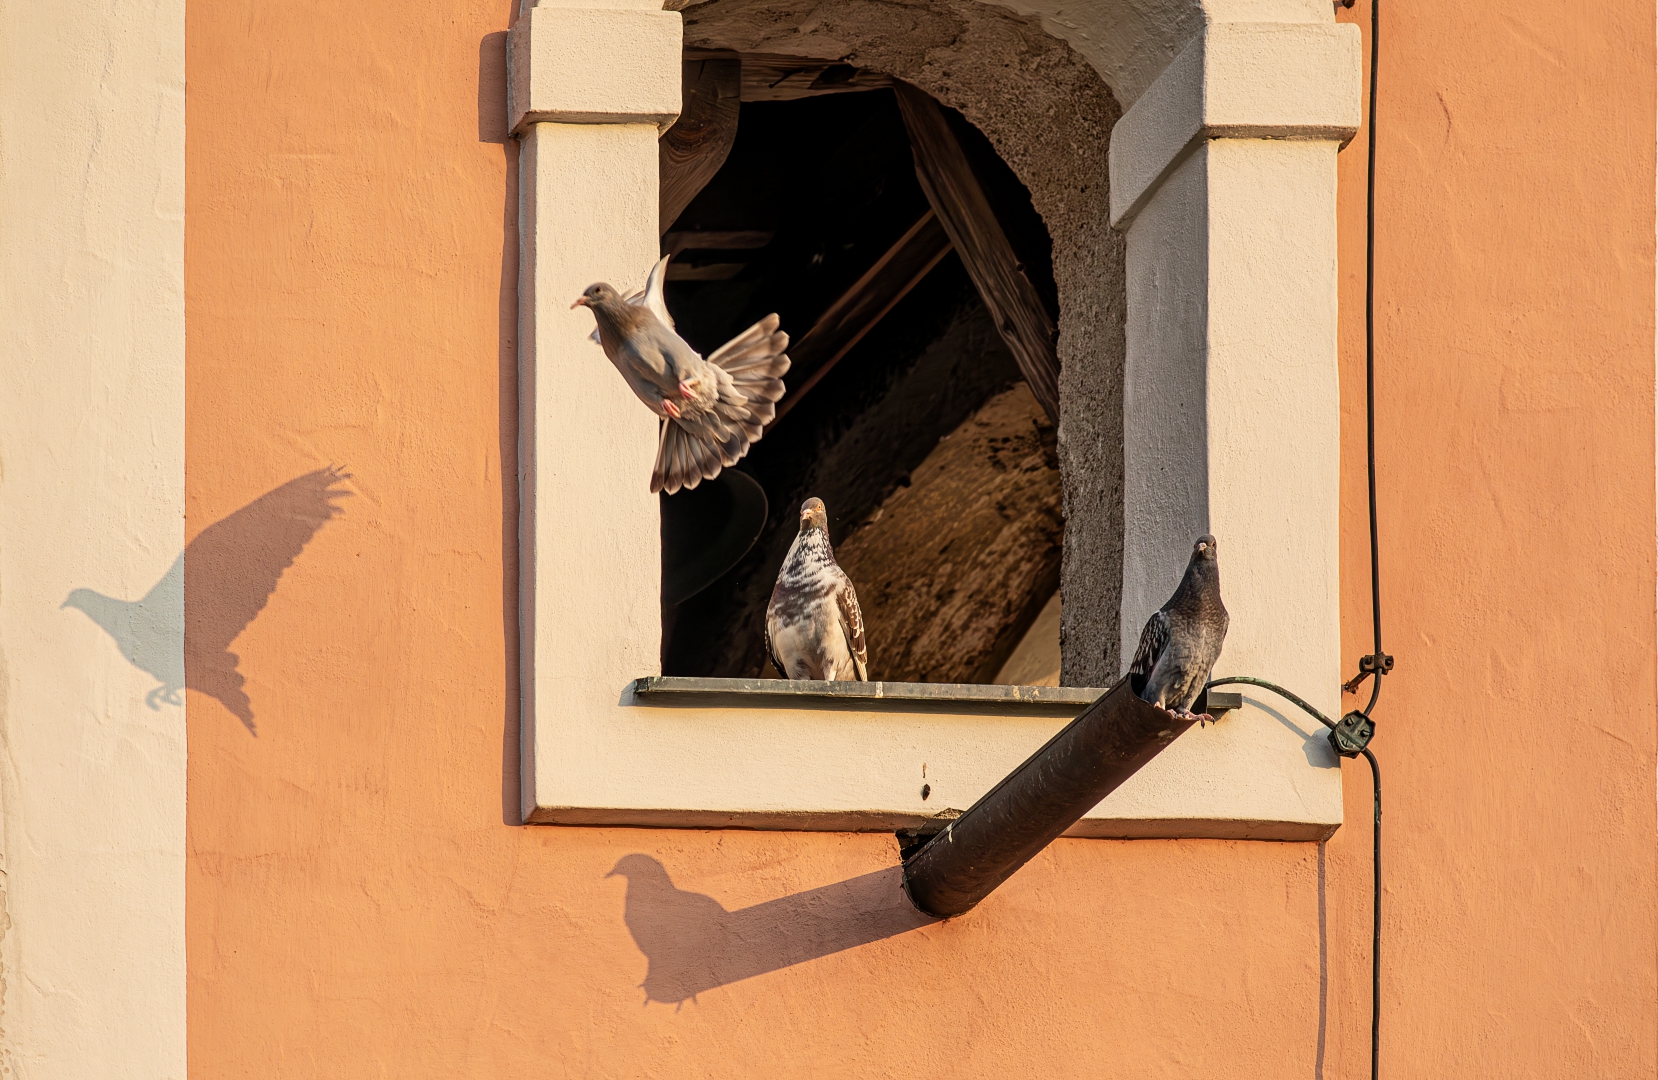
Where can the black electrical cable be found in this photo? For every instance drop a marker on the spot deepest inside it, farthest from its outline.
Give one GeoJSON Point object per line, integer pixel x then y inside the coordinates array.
{"type": "Point", "coordinates": [1377, 663]}
{"type": "Point", "coordinates": [1351, 737]}
{"type": "Point", "coordinates": [1380, 663]}
{"type": "Point", "coordinates": [1376, 842]}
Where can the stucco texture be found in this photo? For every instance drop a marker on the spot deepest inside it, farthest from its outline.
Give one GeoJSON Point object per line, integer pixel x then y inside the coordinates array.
{"type": "Point", "coordinates": [359, 902]}
{"type": "Point", "coordinates": [92, 730]}
{"type": "Point", "coordinates": [1514, 341]}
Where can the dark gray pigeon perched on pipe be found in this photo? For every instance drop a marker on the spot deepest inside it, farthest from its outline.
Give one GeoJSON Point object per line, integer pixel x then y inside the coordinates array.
{"type": "Point", "coordinates": [1182, 640]}
{"type": "Point", "coordinates": [814, 628]}
{"type": "Point", "coordinates": [711, 410]}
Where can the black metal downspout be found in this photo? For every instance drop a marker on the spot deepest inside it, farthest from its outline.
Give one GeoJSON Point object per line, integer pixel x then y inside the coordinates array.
{"type": "Point", "coordinates": [1034, 804]}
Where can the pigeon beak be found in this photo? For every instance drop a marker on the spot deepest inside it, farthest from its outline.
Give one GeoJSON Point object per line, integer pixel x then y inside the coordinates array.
{"type": "Point", "coordinates": [581, 301]}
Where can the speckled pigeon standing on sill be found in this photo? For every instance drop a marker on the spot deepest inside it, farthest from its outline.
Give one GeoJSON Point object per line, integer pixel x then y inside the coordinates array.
{"type": "Point", "coordinates": [814, 629]}
{"type": "Point", "coordinates": [711, 410]}
{"type": "Point", "coordinates": [1182, 640]}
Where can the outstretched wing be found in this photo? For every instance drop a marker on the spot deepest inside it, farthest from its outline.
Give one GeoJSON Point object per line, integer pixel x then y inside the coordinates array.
{"type": "Point", "coordinates": [756, 362]}
{"type": "Point", "coordinates": [231, 568]}
{"type": "Point", "coordinates": [1153, 640]}
{"type": "Point", "coordinates": [852, 625]}
{"type": "Point", "coordinates": [649, 297]}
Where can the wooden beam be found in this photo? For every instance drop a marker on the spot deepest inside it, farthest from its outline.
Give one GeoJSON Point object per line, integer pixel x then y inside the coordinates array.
{"type": "Point", "coordinates": [866, 303]}
{"type": "Point", "coordinates": [715, 240]}
{"type": "Point", "coordinates": [961, 204]}
{"type": "Point", "coordinates": [771, 77]}
{"type": "Point", "coordinates": [692, 151]}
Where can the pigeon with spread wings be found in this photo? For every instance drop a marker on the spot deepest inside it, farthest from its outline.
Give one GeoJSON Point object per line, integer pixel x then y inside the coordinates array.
{"type": "Point", "coordinates": [1182, 640]}
{"type": "Point", "coordinates": [814, 628]}
{"type": "Point", "coordinates": [711, 410]}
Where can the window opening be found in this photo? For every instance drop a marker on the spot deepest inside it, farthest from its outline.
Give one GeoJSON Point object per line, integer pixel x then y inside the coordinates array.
{"type": "Point", "coordinates": [906, 410]}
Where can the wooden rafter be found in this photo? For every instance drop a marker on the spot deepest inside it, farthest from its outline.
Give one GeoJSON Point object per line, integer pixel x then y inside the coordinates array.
{"type": "Point", "coordinates": [866, 303]}
{"type": "Point", "coordinates": [768, 77]}
{"type": "Point", "coordinates": [715, 240]}
{"type": "Point", "coordinates": [965, 210]}
{"type": "Point", "coordinates": [692, 151]}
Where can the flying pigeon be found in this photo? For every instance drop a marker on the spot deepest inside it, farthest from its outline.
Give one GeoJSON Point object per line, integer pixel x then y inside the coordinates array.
{"type": "Point", "coordinates": [814, 629]}
{"type": "Point", "coordinates": [651, 297]}
{"type": "Point", "coordinates": [711, 410]}
{"type": "Point", "coordinates": [1182, 640]}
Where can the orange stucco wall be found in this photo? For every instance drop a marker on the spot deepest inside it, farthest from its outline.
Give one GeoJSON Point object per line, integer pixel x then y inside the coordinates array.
{"type": "Point", "coordinates": [360, 905]}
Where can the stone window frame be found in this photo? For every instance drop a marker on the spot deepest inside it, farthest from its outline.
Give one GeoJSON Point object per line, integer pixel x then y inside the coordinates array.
{"type": "Point", "coordinates": [1223, 178]}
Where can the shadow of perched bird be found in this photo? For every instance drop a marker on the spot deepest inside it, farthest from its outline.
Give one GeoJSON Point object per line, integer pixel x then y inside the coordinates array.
{"type": "Point", "coordinates": [694, 944]}
{"type": "Point", "coordinates": [680, 932]}
{"type": "Point", "coordinates": [227, 574]}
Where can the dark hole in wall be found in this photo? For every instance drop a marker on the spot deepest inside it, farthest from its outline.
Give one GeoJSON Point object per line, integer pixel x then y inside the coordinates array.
{"type": "Point", "coordinates": [822, 188]}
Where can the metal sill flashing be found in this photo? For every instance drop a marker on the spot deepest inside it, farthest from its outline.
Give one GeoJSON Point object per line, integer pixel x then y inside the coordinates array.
{"type": "Point", "coordinates": [992, 699]}
{"type": "Point", "coordinates": [671, 690]}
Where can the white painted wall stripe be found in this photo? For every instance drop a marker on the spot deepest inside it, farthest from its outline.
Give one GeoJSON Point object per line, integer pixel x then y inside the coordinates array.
{"type": "Point", "coordinates": [92, 778]}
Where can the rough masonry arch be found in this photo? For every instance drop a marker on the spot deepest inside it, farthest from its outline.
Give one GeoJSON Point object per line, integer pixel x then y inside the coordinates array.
{"type": "Point", "coordinates": [1049, 114]}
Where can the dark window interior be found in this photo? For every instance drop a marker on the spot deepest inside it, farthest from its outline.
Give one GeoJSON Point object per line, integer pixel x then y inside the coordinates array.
{"type": "Point", "coordinates": [814, 192]}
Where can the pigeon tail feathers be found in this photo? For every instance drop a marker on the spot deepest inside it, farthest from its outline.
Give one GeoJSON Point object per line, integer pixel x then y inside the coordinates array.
{"type": "Point", "coordinates": [684, 461]}
{"type": "Point", "coordinates": [748, 372]}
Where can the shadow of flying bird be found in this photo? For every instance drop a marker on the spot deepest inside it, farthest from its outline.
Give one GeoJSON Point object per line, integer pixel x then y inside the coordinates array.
{"type": "Point", "coordinates": [146, 631]}
{"type": "Point", "coordinates": [227, 574]}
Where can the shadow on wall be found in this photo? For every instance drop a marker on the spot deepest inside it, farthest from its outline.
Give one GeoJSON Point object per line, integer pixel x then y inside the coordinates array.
{"type": "Point", "coordinates": [226, 575]}
{"type": "Point", "coordinates": [492, 128]}
{"type": "Point", "coordinates": [694, 944]}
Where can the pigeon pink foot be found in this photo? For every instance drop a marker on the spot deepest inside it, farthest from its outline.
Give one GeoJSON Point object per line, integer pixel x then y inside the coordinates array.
{"type": "Point", "coordinates": [670, 408]}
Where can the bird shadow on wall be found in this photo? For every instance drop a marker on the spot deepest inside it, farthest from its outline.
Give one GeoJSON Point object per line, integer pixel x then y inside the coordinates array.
{"type": "Point", "coordinates": [226, 575]}
{"type": "Point", "coordinates": [694, 944]}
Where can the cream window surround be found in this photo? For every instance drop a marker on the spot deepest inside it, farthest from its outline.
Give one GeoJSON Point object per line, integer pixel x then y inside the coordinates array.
{"type": "Point", "coordinates": [1224, 179]}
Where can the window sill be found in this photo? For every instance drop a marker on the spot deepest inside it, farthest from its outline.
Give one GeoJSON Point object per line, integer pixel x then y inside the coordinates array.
{"type": "Point", "coordinates": [874, 696]}
{"type": "Point", "coordinates": [818, 756]}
